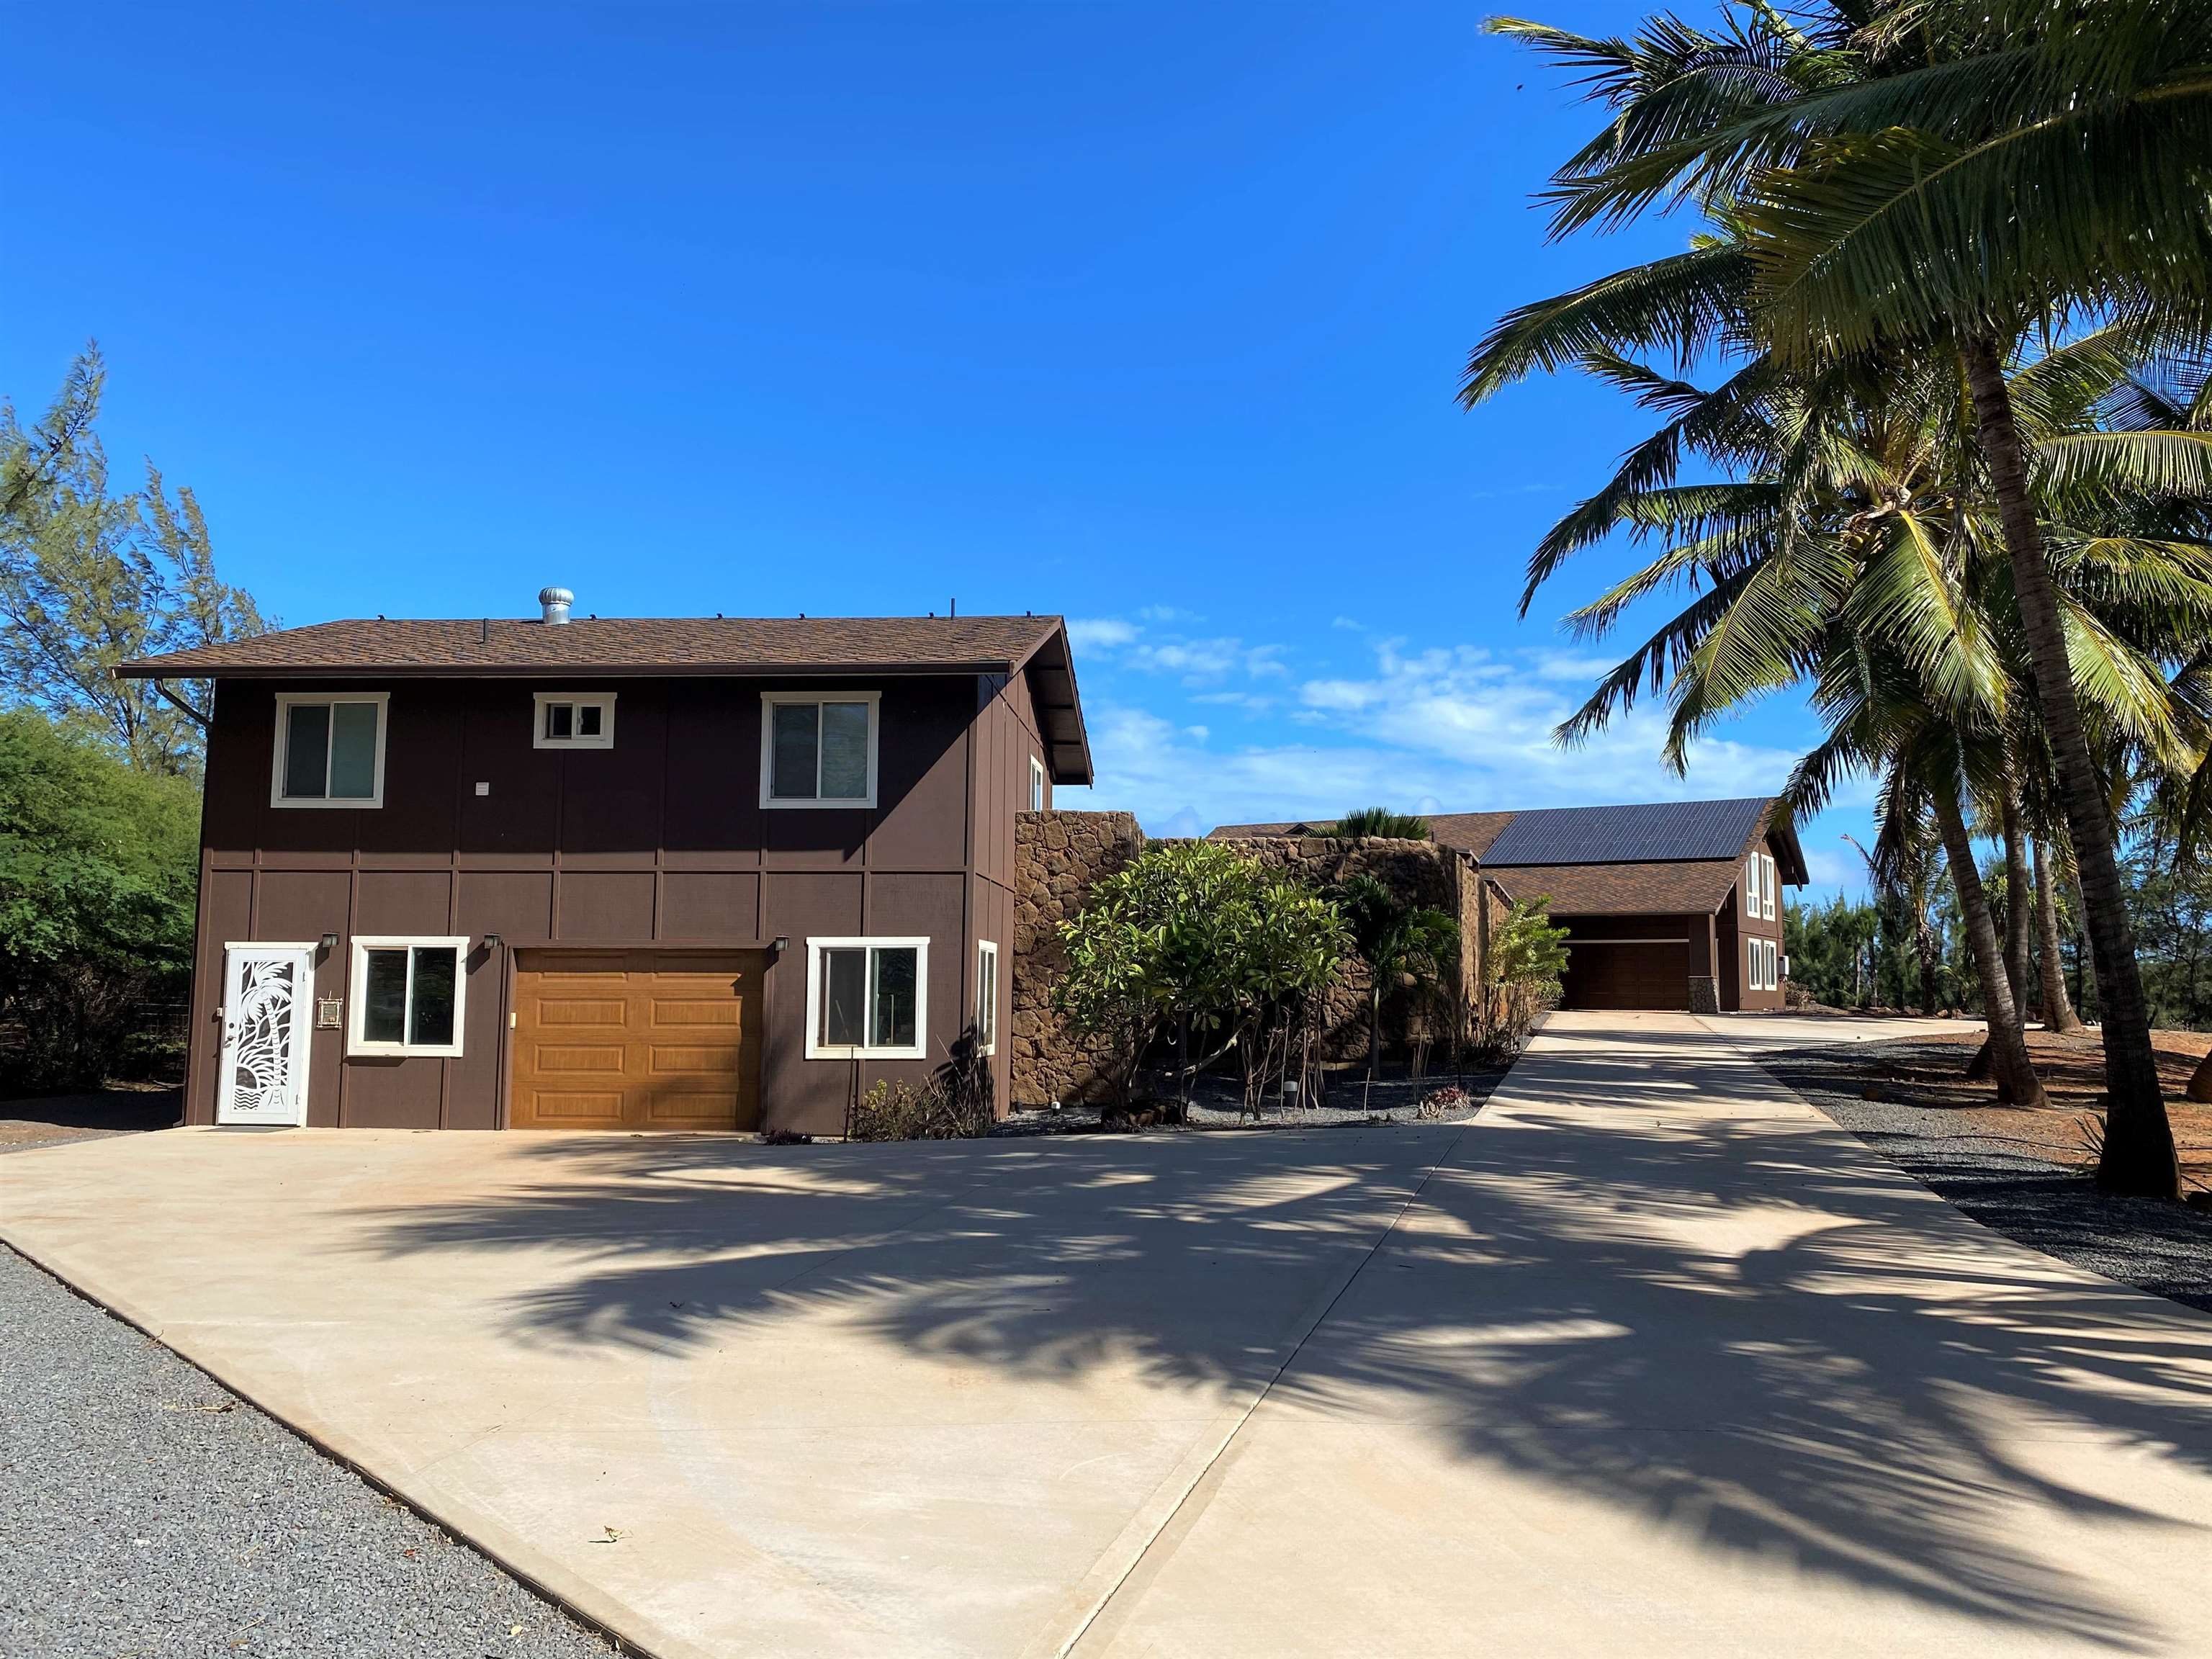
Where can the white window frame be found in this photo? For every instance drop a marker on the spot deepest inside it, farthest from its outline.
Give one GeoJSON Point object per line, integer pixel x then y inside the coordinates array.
{"type": "Point", "coordinates": [987, 948]}
{"type": "Point", "coordinates": [1037, 784]}
{"type": "Point", "coordinates": [1756, 980]}
{"type": "Point", "coordinates": [1767, 883]}
{"type": "Point", "coordinates": [769, 701]}
{"type": "Point", "coordinates": [358, 993]}
{"type": "Point", "coordinates": [285, 702]}
{"type": "Point", "coordinates": [605, 701]}
{"type": "Point", "coordinates": [818, 1050]}
{"type": "Point", "coordinates": [1751, 886]}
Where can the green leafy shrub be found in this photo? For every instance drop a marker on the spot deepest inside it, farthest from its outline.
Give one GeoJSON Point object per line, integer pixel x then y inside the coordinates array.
{"type": "Point", "coordinates": [98, 869]}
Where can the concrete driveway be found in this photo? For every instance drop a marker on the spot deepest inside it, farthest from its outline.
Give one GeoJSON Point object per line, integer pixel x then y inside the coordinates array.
{"type": "Point", "coordinates": [1648, 1360]}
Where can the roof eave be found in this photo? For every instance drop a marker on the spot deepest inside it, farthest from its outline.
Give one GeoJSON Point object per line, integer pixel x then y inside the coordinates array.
{"type": "Point", "coordinates": [158, 668]}
{"type": "Point", "coordinates": [1050, 666]}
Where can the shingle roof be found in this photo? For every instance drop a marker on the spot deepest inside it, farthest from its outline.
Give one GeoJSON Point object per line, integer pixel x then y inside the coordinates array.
{"type": "Point", "coordinates": [1471, 832]}
{"type": "Point", "coordinates": [1586, 889]}
{"type": "Point", "coordinates": [425, 647]}
{"type": "Point", "coordinates": [495, 645]}
{"type": "Point", "coordinates": [1651, 832]}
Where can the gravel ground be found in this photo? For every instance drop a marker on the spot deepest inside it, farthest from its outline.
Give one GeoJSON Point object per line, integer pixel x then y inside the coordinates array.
{"type": "Point", "coordinates": [1218, 1104]}
{"type": "Point", "coordinates": [2166, 1248]}
{"type": "Point", "coordinates": [147, 1512]}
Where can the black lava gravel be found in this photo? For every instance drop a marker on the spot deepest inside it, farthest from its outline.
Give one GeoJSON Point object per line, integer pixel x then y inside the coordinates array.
{"type": "Point", "coordinates": [2166, 1248]}
{"type": "Point", "coordinates": [144, 1511]}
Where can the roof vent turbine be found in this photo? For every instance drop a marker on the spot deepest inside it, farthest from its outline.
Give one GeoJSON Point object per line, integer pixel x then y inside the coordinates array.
{"type": "Point", "coordinates": [555, 602]}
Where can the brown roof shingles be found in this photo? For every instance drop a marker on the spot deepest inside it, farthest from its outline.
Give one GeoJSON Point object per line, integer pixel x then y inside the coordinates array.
{"type": "Point", "coordinates": [619, 645]}
{"type": "Point", "coordinates": [1597, 889]}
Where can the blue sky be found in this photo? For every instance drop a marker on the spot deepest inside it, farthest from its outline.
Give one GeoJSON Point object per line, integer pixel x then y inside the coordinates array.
{"type": "Point", "coordinates": [1148, 314]}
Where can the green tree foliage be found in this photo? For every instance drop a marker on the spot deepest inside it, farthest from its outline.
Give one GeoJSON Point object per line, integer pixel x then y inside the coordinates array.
{"type": "Point", "coordinates": [98, 865]}
{"type": "Point", "coordinates": [89, 578]}
{"type": "Point", "coordinates": [1381, 821]}
{"type": "Point", "coordinates": [1398, 940]}
{"type": "Point", "coordinates": [1529, 950]}
{"type": "Point", "coordinates": [1187, 937]}
{"type": "Point", "coordinates": [1896, 189]}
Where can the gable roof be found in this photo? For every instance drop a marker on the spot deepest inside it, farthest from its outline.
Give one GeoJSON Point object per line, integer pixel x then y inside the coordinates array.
{"type": "Point", "coordinates": [1692, 888]}
{"type": "Point", "coordinates": [491, 646]}
{"type": "Point", "coordinates": [1645, 835]}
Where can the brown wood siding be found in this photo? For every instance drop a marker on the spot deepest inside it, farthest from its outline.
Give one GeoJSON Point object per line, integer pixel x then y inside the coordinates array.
{"type": "Point", "coordinates": [659, 841]}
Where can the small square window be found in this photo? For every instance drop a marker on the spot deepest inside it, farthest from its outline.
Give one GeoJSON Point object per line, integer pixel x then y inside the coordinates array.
{"type": "Point", "coordinates": [575, 719]}
{"type": "Point", "coordinates": [818, 748]}
{"type": "Point", "coordinates": [407, 996]}
{"type": "Point", "coordinates": [328, 750]}
{"type": "Point", "coordinates": [867, 998]}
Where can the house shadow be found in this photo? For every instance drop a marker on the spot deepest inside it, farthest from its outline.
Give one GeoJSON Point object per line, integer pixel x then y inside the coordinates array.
{"type": "Point", "coordinates": [1750, 1332]}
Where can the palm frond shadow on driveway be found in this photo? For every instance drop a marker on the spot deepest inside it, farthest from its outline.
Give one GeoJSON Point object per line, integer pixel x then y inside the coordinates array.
{"type": "Point", "coordinates": [1754, 1334]}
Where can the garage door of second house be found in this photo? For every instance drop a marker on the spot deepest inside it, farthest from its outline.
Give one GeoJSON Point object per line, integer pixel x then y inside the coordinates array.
{"type": "Point", "coordinates": [1627, 973]}
{"type": "Point", "coordinates": [636, 1040]}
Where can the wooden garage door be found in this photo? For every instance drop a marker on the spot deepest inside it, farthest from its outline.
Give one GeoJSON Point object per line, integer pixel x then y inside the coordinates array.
{"type": "Point", "coordinates": [1626, 974]}
{"type": "Point", "coordinates": [636, 1040]}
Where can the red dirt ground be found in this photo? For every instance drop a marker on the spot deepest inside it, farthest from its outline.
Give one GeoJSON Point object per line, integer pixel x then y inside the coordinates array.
{"type": "Point", "coordinates": [2073, 1073]}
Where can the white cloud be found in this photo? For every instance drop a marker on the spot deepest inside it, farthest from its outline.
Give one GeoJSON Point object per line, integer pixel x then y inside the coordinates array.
{"type": "Point", "coordinates": [1099, 632]}
{"type": "Point", "coordinates": [1454, 729]}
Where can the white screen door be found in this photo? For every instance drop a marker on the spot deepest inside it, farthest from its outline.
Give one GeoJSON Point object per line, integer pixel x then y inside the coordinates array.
{"type": "Point", "coordinates": [267, 989]}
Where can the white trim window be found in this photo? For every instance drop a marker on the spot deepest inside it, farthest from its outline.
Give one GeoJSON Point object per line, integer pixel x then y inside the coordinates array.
{"type": "Point", "coordinates": [1037, 784]}
{"type": "Point", "coordinates": [1768, 884]}
{"type": "Point", "coordinates": [867, 999]}
{"type": "Point", "coordinates": [329, 750]}
{"type": "Point", "coordinates": [818, 748]}
{"type": "Point", "coordinates": [1751, 886]}
{"type": "Point", "coordinates": [987, 996]}
{"type": "Point", "coordinates": [574, 719]}
{"type": "Point", "coordinates": [407, 996]}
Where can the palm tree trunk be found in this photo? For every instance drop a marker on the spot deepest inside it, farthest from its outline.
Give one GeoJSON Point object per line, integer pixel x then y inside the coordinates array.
{"type": "Point", "coordinates": [2008, 1043]}
{"type": "Point", "coordinates": [2138, 1156]}
{"type": "Point", "coordinates": [2058, 1013]}
{"type": "Point", "coordinates": [2018, 887]}
{"type": "Point", "coordinates": [2200, 1081]}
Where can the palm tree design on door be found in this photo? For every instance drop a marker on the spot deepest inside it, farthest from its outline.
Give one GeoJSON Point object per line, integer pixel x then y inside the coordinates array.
{"type": "Point", "coordinates": [263, 1036]}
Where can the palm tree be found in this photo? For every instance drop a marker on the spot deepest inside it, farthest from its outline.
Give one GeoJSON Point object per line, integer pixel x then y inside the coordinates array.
{"type": "Point", "coordinates": [1394, 936]}
{"type": "Point", "coordinates": [1942, 175]}
{"type": "Point", "coordinates": [1380, 821]}
{"type": "Point", "coordinates": [1858, 513]}
{"type": "Point", "coordinates": [2058, 1013]}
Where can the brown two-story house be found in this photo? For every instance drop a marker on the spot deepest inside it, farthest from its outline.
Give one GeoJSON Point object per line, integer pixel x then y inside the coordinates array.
{"type": "Point", "coordinates": [697, 874]}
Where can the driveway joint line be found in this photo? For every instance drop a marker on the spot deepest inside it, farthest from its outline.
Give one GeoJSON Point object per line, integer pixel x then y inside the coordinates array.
{"type": "Point", "coordinates": [1167, 1521]}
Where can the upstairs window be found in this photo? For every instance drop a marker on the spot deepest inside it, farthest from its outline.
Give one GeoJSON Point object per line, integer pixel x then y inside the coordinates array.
{"type": "Point", "coordinates": [867, 998]}
{"type": "Point", "coordinates": [406, 996]}
{"type": "Point", "coordinates": [818, 748]}
{"type": "Point", "coordinates": [330, 751]}
{"type": "Point", "coordinates": [1767, 884]}
{"type": "Point", "coordinates": [575, 719]}
{"type": "Point", "coordinates": [1751, 886]}
{"type": "Point", "coordinates": [1037, 784]}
